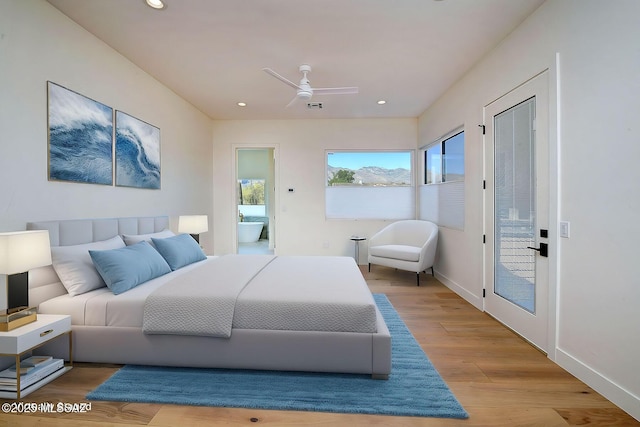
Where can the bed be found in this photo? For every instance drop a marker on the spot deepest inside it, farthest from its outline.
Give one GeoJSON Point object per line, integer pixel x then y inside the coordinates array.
{"type": "Point", "coordinates": [294, 313]}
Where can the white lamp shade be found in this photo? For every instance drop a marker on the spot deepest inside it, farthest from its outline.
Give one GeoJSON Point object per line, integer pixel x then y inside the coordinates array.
{"type": "Point", "coordinates": [193, 224]}
{"type": "Point", "coordinates": [21, 251]}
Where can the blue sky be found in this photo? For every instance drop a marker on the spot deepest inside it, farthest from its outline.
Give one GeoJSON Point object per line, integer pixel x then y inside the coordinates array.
{"type": "Point", "coordinates": [358, 159]}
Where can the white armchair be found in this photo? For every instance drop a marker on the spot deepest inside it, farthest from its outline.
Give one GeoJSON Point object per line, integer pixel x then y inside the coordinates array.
{"type": "Point", "coordinates": [407, 245]}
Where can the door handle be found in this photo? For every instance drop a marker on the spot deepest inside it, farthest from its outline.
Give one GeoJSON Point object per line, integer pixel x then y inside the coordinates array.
{"type": "Point", "coordinates": [543, 249]}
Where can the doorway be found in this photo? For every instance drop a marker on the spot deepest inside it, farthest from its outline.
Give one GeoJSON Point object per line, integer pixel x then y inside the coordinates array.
{"type": "Point", "coordinates": [517, 210]}
{"type": "Point", "coordinates": [255, 200]}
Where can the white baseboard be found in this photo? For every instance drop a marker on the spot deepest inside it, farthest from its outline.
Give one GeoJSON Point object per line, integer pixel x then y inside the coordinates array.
{"type": "Point", "coordinates": [621, 397]}
{"type": "Point", "coordinates": [612, 391]}
{"type": "Point", "coordinates": [472, 299]}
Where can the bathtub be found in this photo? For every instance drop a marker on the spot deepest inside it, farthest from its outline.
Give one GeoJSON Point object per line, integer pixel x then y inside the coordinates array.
{"type": "Point", "coordinates": [249, 232]}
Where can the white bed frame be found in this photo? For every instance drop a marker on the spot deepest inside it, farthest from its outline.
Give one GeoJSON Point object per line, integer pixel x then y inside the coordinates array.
{"type": "Point", "coordinates": [344, 352]}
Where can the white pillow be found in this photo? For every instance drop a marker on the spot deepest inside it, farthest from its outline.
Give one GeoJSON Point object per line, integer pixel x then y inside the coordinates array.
{"type": "Point", "coordinates": [132, 239]}
{"type": "Point", "coordinates": [75, 267]}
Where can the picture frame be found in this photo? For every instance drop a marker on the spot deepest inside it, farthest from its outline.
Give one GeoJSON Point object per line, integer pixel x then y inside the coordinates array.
{"type": "Point", "coordinates": [137, 152]}
{"type": "Point", "coordinates": [80, 137]}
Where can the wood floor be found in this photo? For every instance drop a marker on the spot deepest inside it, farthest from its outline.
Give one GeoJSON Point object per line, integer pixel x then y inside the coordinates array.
{"type": "Point", "coordinates": [498, 378]}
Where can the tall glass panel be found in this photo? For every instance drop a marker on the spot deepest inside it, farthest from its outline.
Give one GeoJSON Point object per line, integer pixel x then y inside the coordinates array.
{"type": "Point", "coordinates": [453, 158]}
{"type": "Point", "coordinates": [433, 165]}
{"type": "Point", "coordinates": [515, 209]}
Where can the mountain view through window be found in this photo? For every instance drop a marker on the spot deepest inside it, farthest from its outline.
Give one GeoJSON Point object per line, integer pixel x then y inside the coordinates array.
{"type": "Point", "coordinates": [366, 168]}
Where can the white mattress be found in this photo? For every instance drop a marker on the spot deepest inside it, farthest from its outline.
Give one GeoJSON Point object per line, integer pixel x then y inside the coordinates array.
{"type": "Point", "coordinates": [306, 293]}
{"type": "Point", "coordinates": [279, 298]}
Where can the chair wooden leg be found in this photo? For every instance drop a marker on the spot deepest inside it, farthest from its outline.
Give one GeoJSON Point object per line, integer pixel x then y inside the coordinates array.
{"type": "Point", "coordinates": [369, 267]}
{"type": "Point", "coordinates": [433, 273]}
{"type": "Point", "coordinates": [418, 278]}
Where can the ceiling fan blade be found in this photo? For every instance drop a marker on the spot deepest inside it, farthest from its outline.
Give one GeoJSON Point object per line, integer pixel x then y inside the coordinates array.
{"type": "Point", "coordinates": [293, 102]}
{"type": "Point", "coordinates": [279, 77]}
{"type": "Point", "coordinates": [335, 90]}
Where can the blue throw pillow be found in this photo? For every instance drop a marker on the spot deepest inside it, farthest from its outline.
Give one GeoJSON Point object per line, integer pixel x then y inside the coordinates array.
{"type": "Point", "coordinates": [125, 268]}
{"type": "Point", "coordinates": [179, 250]}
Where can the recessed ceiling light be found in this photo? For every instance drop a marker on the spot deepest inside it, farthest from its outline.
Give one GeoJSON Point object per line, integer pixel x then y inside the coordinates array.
{"type": "Point", "coordinates": [382, 102]}
{"type": "Point", "coordinates": [242, 104]}
{"type": "Point", "coordinates": [156, 4]}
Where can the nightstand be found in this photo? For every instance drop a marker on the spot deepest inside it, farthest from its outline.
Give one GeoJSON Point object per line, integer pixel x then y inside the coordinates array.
{"type": "Point", "coordinates": [31, 336]}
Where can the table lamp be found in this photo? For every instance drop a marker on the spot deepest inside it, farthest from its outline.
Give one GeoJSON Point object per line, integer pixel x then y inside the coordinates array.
{"type": "Point", "coordinates": [20, 251]}
{"type": "Point", "coordinates": [194, 225]}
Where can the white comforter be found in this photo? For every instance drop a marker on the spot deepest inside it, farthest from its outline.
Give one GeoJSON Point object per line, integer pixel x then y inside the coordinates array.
{"type": "Point", "coordinates": [263, 292]}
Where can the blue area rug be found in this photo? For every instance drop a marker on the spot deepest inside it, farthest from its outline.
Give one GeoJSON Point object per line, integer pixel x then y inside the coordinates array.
{"type": "Point", "coordinates": [414, 387]}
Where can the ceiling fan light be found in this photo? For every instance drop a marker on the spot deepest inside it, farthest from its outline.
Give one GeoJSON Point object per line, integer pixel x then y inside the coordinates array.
{"type": "Point", "coordinates": [305, 94]}
{"type": "Point", "coordinates": [304, 91]}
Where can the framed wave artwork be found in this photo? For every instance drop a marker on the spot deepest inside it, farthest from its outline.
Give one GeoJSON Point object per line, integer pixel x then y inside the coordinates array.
{"type": "Point", "coordinates": [80, 137]}
{"type": "Point", "coordinates": [137, 153]}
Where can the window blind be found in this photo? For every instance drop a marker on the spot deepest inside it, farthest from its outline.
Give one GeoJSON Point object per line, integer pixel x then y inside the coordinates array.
{"type": "Point", "coordinates": [352, 202]}
{"type": "Point", "coordinates": [443, 204]}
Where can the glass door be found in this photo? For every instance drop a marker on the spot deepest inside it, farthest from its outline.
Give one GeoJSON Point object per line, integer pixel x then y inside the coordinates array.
{"type": "Point", "coordinates": [516, 204]}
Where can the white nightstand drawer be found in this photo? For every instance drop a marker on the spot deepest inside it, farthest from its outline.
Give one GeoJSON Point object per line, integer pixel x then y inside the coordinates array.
{"type": "Point", "coordinates": [48, 326]}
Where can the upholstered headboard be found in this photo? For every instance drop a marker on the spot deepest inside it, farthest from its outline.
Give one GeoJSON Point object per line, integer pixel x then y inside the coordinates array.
{"type": "Point", "coordinates": [44, 282]}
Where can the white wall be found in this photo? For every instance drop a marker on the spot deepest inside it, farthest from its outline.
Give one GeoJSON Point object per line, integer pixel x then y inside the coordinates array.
{"type": "Point", "coordinates": [38, 43]}
{"type": "Point", "coordinates": [301, 227]}
{"type": "Point", "coordinates": [598, 289]}
{"type": "Point", "coordinates": [597, 285]}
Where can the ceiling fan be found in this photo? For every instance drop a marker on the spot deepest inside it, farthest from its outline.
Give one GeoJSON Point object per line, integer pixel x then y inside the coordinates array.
{"type": "Point", "coordinates": [304, 91]}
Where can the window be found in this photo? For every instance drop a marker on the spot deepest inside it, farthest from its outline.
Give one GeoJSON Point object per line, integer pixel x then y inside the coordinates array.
{"type": "Point", "coordinates": [453, 158]}
{"type": "Point", "coordinates": [433, 164]}
{"type": "Point", "coordinates": [442, 196]}
{"type": "Point", "coordinates": [444, 160]}
{"type": "Point", "coordinates": [251, 197]}
{"type": "Point", "coordinates": [369, 185]}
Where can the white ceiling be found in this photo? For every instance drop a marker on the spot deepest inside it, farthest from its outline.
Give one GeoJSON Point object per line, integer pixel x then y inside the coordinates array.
{"type": "Point", "coordinates": [211, 52]}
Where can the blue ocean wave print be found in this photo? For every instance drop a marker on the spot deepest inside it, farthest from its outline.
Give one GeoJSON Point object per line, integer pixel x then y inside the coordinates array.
{"type": "Point", "coordinates": [80, 129]}
{"type": "Point", "coordinates": [137, 153]}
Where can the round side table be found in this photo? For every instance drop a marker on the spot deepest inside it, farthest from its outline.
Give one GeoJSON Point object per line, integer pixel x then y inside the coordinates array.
{"type": "Point", "coordinates": [357, 240]}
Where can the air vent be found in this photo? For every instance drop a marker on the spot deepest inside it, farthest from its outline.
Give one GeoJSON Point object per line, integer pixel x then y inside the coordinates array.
{"type": "Point", "coordinates": [314, 105]}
